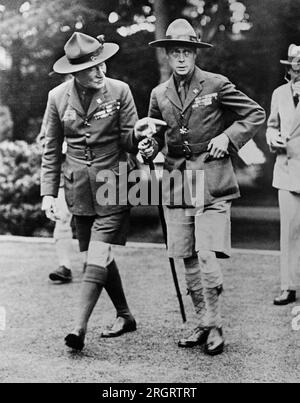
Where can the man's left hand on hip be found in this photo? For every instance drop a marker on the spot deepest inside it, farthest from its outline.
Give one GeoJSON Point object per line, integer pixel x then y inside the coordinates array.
{"type": "Point", "coordinates": [218, 146]}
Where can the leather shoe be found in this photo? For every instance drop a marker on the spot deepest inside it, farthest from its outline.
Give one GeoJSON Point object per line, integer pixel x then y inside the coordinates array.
{"type": "Point", "coordinates": [286, 297]}
{"type": "Point", "coordinates": [196, 338]}
{"type": "Point", "coordinates": [61, 274]}
{"type": "Point", "coordinates": [75, 341]}
{"type": "Point", "coordinates": [215, 342]}
{"type": "Point", "coordinates": [120, 327]}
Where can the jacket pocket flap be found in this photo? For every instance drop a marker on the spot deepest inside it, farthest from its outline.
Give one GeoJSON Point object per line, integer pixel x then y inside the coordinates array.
{"type": "Point", "coordinates": [68, 174]}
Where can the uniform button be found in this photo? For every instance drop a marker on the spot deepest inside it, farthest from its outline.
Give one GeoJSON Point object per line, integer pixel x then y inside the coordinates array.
{"type": "Point", "coordinates": [87, 135]}
{"type": "Point", "coordinates": [86, 123]}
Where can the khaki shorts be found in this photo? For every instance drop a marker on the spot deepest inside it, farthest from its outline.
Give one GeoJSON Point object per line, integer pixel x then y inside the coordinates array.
{"type": "Point", "coordinates": [209, 230]}
{"type": "Point", "coordinates": [112, 229]}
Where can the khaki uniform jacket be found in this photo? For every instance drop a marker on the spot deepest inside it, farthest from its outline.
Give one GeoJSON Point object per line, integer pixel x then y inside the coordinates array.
{"type": "Point", "coordinates": [104, 132]}
{"type": "Point", "coordinates": [285, 119]}
{"type": "Point", "coordinates": [210, 96]}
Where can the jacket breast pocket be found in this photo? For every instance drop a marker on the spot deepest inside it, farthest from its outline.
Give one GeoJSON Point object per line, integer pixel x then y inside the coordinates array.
{"type": "Point", "coordinates": [69, 186]}
{"type": "Point", "coordinates": [220, 177]}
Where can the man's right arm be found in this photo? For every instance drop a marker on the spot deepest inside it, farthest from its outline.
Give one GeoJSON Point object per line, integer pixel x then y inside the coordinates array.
{"type": "Point", "coordinates": [52, 155]}
{"type": "Point", "coordinates": [154, 112]}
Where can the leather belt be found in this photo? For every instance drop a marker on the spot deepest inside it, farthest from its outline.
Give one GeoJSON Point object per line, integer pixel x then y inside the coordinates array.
{"type": "Point", "coordinates": [187, 150]}
{"type": "Point", "coordinates": [281, 151]}
{"type": "Point", "coordinates": [88, 153]}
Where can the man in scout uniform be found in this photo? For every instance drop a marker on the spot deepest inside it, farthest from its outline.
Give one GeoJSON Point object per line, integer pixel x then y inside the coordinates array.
{"type": "Point", "coordinates": [95, 115]}
{"type": "Point", "coordinates": [283, 137]}
{"type": "Point", "coordinates": [193, 103]}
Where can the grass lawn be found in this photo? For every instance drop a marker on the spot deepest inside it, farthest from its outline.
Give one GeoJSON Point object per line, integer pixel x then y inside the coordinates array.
{"type": "Point", "coordinates": [261, 345]}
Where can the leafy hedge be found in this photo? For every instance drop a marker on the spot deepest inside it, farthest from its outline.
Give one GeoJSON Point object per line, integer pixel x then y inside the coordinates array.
{"type": "Point", "coordinates": [20, 202]}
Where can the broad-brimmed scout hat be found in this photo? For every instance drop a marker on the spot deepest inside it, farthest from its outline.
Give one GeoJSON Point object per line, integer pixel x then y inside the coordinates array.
{"type": "Point", "coordinates": [180, 33]}
{"type": "Point", "coordinates": [293, 56]}
{"type": "Point", "coordinates": [82, 52]}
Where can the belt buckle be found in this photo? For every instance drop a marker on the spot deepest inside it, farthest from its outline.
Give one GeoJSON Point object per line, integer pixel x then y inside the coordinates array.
{"type": "Point", "coordinates": [89, 155]}
{"type": "Point", "coordinates": [186, 150]}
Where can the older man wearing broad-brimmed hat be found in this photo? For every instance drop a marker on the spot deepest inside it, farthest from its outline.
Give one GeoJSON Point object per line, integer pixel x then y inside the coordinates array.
{"type": "Point", "coordinates": [283, 137]}
{"type": "Point", "coordinates": [95, 115]}
{"type": "Point", "coordinates": [194, 104]}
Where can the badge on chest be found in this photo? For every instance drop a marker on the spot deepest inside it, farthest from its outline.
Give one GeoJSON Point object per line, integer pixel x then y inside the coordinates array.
{"type": "Point", "coordinates": [107, 109]}
{"type": "Point", "coordinates": [70, 115]}
{"type": "Point", "coordinates": [205, 100]}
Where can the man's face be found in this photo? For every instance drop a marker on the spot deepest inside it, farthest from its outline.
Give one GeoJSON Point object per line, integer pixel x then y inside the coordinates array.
{"type": "Point", "coordinates": [182, 60]}
{"type": "Point", "coordinates": [93, 77]}
{"type": "Point", "coordinates": [294, 72]}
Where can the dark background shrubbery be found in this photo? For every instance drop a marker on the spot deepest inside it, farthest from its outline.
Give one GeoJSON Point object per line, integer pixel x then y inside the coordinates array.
{"type": "Point", "coordinates": [20, 208]}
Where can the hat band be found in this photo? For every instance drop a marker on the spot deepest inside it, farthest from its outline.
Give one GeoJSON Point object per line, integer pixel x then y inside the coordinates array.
{"type": "Point", "coordinates": [294, 59]}
{"type": "Point", "coordinates": [183, 37]}
{"type": "Point", "coordinates": [90, 57]}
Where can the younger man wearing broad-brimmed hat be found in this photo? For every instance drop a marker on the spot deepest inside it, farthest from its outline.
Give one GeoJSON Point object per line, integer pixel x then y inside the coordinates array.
{"type": "Point", "coordinates": [283, 137]}
{"type": "Point", "coordinates": [194, 103]}
{"type": "Point", "coordinates": [95, 115]}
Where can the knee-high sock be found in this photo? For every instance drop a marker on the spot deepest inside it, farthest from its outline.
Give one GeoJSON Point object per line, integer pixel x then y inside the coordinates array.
{"type": "Point", "coordinates": [195, 288]}
{"type": "Point", "coordinates": [95, 278]}
{"type": "Point", "coordinates": [115, 291]}
{"type": "Point", "coordinates": [93, 282]}
{"type": "Point", "coordinates": [212, 278]}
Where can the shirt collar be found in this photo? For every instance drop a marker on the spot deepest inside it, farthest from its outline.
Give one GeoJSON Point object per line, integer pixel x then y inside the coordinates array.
{"type": "Point", "coordinates": [83, 91]}
{"type": "Point", "coordinates": [187, 79]}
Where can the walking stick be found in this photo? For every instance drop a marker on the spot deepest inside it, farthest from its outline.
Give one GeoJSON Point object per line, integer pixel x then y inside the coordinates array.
{"type": "Point", "coordinates": [164, 230]}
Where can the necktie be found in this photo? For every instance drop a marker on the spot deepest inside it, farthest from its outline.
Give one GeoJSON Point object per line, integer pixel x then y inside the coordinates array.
{"type": "Point", "coordinates": [86, 97]}
{"type": "Point", "coordinates": [181, 91]}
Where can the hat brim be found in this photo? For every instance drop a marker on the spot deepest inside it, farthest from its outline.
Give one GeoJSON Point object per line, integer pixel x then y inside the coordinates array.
{"type": "Point", "coordinates": [164, 43]}
{"type": "Point", "coordinates": [63, 65]}
{"type": "Point", "coordinates": [288, 63]}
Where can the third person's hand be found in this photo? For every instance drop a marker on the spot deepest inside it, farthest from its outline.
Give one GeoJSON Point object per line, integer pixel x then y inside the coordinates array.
{"type": "Point", "coordinates": [146, 127]}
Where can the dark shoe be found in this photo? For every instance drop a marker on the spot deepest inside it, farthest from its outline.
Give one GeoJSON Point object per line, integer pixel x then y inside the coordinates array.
{"type": "Point", "coordinates": [74, 341]}
{"type": "Point", "coordinates": [61, 274]}
{"type": "Point", "coordinates": [220, 290]}
{"type": "Point", "coordinates": [215, 342]}
{"type": "Point", "coordinates": [286, 297]}
{"type": "Point", "coordinates": [120, 327]}
{"type": "Point", "coordinates": [198, 337]}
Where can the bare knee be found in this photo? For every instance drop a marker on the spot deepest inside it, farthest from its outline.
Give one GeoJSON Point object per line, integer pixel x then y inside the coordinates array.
{"type": "Point", "coordinates": [99, 253]}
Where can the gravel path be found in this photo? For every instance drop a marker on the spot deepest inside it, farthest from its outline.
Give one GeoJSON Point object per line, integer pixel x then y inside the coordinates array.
{"type": "Point", "coordinates": [261, 345]}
